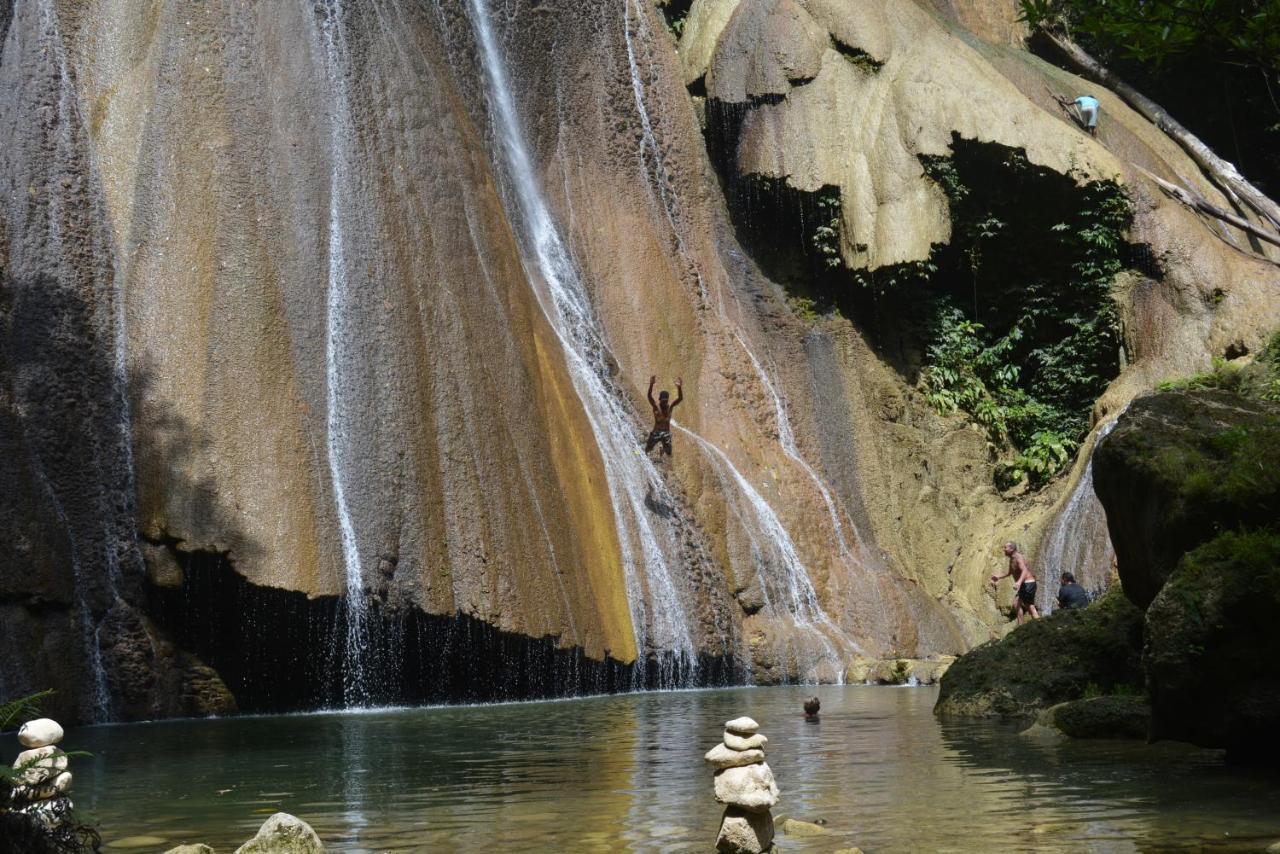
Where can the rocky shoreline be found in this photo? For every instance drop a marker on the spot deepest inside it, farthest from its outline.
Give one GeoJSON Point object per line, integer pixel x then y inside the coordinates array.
{"type": "Point", "coordinates": [1184, 649]}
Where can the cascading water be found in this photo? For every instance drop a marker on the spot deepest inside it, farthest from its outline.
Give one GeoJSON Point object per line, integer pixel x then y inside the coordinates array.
{"type": "Point", "coordinates": [658, 618]}
{"type": "Point", "coordinates": [798, 596]}
{"type": "Point", "coordinates": [356, 640]}
{"type": "Point", "coordinates": [793, 595]}
{"type": "Point", "coordinates": [1078, 541]}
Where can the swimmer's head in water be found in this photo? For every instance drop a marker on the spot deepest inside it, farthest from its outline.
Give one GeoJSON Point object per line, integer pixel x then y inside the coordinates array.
{"type": "Point", "coordinates": [664, 394]}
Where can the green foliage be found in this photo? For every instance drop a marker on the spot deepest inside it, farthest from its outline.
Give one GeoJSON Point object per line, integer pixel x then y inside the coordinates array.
{"type": "Point", "coordinates": [1239, 31]}
{"type": "Point", "coordinates": [1031, 374]}
{"type": "Point", "coordinates": [901, 673]}
{"type": "Point", "coordinates": [826, 236]}
{"type": "Point", "coordinates": [676, 12]}
{"type": "Point", "coordinates": [21, 710]}
{"type": "Point", "coordinates": [1258, 379]}
{"type": "Point", "coordinates": [804, 308]}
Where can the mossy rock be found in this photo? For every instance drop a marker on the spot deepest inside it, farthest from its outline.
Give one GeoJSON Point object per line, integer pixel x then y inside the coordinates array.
{"type": "Point", "coordinates": [1116, 716]}
{"type": "Point", "coordinates": [1049, 661]}
{"type": "Point", "coordinates": [1179, 468]}
{"type": "Point", "coordinates": [1212, 653]}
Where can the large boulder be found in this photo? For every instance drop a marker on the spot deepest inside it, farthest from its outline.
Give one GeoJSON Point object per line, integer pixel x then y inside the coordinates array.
{"type": "Point", "coordinates": [1127, 716]}
{"type": "Point", "coordinates": [1212, 651]}
{"type": "Point", "coordinates": [283, 834]}
{"type": "Point", "coordinates": [1048, 661]}
{"type": "Point", "coordinates": [1179, 468]}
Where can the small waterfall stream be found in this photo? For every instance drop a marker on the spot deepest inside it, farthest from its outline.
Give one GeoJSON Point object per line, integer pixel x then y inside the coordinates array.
{"type": "Point", "coordinates": [799, 597]}
{"type": "Point", "coordinates": [658, 617]}
{"type": "Point", "coordinates": [337, 318]}
{"type": "Point", "coordinates": [1078, 541]}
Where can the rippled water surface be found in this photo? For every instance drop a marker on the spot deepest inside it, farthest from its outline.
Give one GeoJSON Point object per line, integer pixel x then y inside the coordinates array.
{"type": "Point", "coordinates": [626, 774]}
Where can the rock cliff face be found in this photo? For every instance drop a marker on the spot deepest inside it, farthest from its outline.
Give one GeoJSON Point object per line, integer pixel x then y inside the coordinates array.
{"type": "Point", "coordinates": [347, 309]}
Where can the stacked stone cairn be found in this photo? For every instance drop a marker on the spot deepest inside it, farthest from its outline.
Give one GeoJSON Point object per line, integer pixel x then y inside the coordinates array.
{"type": "Point", "coordinates": [43, 779]}
{"type": "Point", "coordinates": [745, 784]}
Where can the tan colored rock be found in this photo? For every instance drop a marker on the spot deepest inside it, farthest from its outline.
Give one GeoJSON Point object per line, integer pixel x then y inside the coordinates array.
{"type": "Point", "coordinates": [283, 834]}
{"type": "Point", "coordinates": [733, 741]}
{"type": "Point", "coordinates": [40, 732]}
{"type": "Point", "coordinates": [797, 43]}
{"type": "Point", "coordinates": [744, 832]}
{"type": "Point", "coordinates": [751, 787]}
{"type": "Point", "coordinates": [743, 726]}
{"type": "Point", "coordinates": [795, 827]}
{"type": "Point", "coordinates": [196, 848]}
{"type": "Point", "coordinates": [722, 756]}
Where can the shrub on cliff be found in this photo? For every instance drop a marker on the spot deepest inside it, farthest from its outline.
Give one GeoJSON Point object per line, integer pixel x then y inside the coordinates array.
{"type": "Point", "coordinates": [1067, 656]}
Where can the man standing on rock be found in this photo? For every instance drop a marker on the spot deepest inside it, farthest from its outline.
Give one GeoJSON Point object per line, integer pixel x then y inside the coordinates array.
{"type": "Point", "coordinates": [662, 409]}
{"type": "Point", "coordinates": [1024, 583]}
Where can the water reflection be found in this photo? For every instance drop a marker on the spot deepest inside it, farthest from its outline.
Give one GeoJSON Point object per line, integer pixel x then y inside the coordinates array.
{"type": "Point", "coordinates": [626, 774]}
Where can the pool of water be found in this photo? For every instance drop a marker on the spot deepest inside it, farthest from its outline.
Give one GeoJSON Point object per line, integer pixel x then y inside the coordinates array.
{"type": "Point", "coordinates": [626, 773]}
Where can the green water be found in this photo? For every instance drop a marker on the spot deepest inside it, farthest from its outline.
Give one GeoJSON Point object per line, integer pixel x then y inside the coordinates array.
{"type": "Point", "coordinates": [626, 774]}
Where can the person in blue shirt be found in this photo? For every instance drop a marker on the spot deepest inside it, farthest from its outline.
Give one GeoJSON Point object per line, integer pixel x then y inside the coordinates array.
{"type": "Point", "coordinates": [1089, 109]}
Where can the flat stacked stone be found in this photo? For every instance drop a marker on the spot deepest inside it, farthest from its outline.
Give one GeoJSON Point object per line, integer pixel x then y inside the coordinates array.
{"type": "Point", "coordinates": [745, 784]}
{"type": "Point", "coordinates": [43, 779]}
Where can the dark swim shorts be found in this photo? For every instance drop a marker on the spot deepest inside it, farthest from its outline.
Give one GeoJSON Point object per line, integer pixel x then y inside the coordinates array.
{"type": "Point", "coordinates": [662, 437]}
{"type": "Point", "coordinates": [1027, 593]}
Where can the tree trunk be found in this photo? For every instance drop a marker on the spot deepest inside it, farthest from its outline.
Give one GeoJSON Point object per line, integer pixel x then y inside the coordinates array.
{"type": "Point", "coordinates": [1222, 173]}
{"type": "Point", "coordinates": [1195, 201]}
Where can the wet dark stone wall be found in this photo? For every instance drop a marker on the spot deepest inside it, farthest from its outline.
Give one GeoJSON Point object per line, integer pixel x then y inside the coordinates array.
{"type": "Point", "coordinates": [281, 651]}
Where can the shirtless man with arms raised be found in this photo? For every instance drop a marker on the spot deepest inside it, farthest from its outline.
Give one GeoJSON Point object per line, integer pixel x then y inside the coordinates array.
{"type": "Point", "coordinates": [662, 409]}
{"type": "Point", "coordinates": [1024, 583]}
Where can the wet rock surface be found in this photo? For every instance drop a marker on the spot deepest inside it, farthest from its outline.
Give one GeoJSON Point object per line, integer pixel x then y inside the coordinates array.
{"type": "Point", "coordinates": [283, 834]}
{"type": "Point", "coordinates": [1048, 661]}
{"type": "Point", "coordinates": [1100, 717]}
{"type": "Point", "coordinates": [1179, 468]}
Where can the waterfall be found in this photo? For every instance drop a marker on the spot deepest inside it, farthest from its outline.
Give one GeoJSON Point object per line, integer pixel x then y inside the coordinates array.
{"type": "Point", "coordinates": [793, 597]}
{"type": "Point", "coordinates": [355, 688]}
{"type": "Point", "coordinates": [800, 597]}
{"type": "Point", "coordinates": [657, 615]}
{"type": "Point", "coordinates": [1078, 541]}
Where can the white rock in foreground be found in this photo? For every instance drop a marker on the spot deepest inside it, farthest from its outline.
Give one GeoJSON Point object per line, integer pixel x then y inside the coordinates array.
{"type": "Point", "coordinates": [751, 787]}
{"type": "Point", "coordinates": [283, 834]}
{"type": "Point", "coordinates": [742, 726]}
{"type": "Point", "coordinates": [40, 764]}
{"type": "Point", "coordinates": [722, 757]}
{"type": "Point", "coordinates": [743, 832]}
{"type": "Point", "coordinates": [733, 741]}
{"type": "Point", "coordinates": [41, 732]}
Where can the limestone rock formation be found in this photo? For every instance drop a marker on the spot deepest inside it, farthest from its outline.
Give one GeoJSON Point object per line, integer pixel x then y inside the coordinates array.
{"type": "Point", "coordinates": [196, 848]}
{"type": "Point", "coordinates": [306, 309]}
